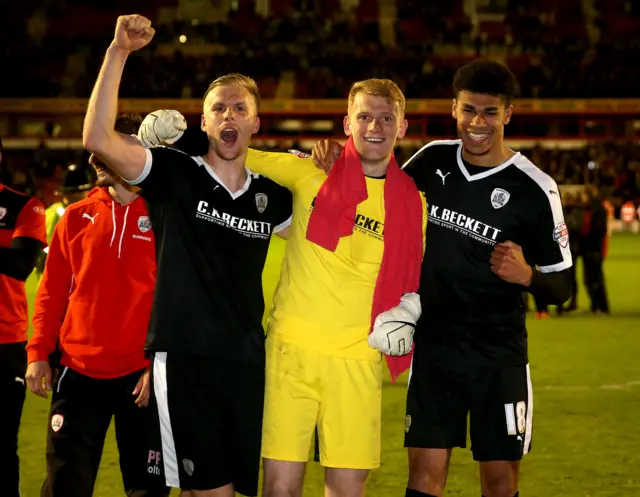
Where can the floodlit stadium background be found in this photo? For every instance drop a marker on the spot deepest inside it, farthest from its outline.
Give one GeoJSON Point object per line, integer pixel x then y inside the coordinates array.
{"type": "Point", "coordinates": [578, 119]}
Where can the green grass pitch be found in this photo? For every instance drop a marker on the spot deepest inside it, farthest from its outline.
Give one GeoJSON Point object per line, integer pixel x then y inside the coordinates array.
{"type": "Point", "coordinates": [586, 382]}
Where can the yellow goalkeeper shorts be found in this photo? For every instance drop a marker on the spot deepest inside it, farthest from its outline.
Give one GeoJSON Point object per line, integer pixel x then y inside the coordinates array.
{"type": "Point", "coordinates": [342, 397]}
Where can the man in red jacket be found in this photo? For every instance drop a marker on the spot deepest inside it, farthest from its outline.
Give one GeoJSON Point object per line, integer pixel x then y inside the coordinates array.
{"type": "Point", "coordinates": [95, 299]}
{"type": "Point", "coordinates": [22, 237]}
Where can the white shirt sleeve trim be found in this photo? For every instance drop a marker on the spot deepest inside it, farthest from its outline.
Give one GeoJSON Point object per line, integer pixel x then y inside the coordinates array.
{"type": "Point", "coordinates": [283, 225]}
{"type": "Point", "coordinates": [561, 266]}
{"type": "Point", "coordinates": [550, 191]}
{"type": "Point", "coordinates": [145, 171]}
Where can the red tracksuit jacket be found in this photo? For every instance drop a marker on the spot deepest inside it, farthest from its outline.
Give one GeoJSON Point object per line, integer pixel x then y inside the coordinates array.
{"type": "Point", "coordinates": [97, 288]}
{"type": "Point", "coordinates": [20, 216]}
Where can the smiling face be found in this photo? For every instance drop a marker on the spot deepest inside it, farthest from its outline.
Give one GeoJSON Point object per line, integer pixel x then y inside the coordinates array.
{"type": "Point", "coordinates": [230, 115]}
{"type": "Point", "coordinates": [480, 122]}
{"type": "Point", "coordinates": [375, 122]}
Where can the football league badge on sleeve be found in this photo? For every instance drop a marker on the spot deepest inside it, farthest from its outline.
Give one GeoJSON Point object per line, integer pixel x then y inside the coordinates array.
{"type": "Point", "coordinates": [499, 198]}
{"type": "Point", "coordinates": [3, 212]}
{"type": "Point", "coordinates": [301, 155]}
{"type": "Point", "coordinates": [261, 202]}
{"type": "Point", "coordinates": [561, 234]}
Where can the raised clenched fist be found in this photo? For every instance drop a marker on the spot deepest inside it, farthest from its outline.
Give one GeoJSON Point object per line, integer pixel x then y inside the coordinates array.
{"type": "Point", "coordinates": [132, 32]}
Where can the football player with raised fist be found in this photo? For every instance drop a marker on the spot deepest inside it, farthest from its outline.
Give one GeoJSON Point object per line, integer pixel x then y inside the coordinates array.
{"type": "Point", "coordinates": [214, 219]}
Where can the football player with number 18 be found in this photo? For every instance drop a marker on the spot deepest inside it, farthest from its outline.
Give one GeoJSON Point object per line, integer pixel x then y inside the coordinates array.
{"type": "Point", "coordinates": [498, 229]}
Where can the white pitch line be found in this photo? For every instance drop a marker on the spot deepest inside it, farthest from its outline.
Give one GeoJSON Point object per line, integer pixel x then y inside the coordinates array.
{"type": "Point", "coordinates": [622, 386]}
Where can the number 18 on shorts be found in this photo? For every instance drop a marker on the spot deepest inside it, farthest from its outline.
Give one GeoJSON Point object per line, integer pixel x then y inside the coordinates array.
{"type": "Point", "coordinates": [498, 402]}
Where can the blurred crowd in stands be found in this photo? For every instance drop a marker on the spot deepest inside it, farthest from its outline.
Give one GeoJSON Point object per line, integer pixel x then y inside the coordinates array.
{"type": "Point", "coordinates": [317, 48]}
{"type": "Point", "coordinates": [614, 168]}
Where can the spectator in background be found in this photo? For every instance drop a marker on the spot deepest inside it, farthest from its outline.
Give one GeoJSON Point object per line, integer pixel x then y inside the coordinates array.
{"type": "Point", "coordinates": [574, 210]}
{"type": "Point", "coordinates": [76, 184]}
{"type": "Point", "coordinates": [593, 234]}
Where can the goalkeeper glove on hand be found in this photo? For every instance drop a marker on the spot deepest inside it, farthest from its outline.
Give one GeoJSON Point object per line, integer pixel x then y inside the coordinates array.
{"type": "Point", "coordinates": [162, 127]}
{"type": "Point", "coordinates": [393, 329]}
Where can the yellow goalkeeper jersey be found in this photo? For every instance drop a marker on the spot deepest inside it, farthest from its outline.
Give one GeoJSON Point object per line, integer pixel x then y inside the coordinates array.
{"type": "Point", "coordinates": [323, 300]}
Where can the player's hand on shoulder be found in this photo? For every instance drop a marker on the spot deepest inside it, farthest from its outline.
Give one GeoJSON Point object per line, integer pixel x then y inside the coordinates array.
{"type": "Point", "coordinates": [38, 378]}
{"type": "Point", "coordinates": [162, 127]}
{"type": "Point", "coordinates": [133, 32]}
{"type": "Point", "coordinates": [393, 329]}
{"type": "Point", "coordinates": [508, 263]}
{"type": "Point", "coordinates": [325, 153]}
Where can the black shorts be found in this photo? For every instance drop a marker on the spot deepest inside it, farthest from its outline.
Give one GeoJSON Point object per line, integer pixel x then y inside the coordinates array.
{"type": "Point", "coordinates": [209, 429]}
{"type": "Point", "coordinates": [498, 400]}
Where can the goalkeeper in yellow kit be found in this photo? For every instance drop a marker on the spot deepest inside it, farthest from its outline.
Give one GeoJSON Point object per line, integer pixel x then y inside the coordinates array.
{"type": "Point", "coordinates": [324, 369]}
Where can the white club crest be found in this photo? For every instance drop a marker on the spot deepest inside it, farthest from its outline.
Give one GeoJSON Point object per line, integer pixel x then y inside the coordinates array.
{"type": "Point", "coordinates": [144, 224]}
{"type": "Point", "coordinates": [3, 212]}
{"type": "Point", "coordinates": [261, 202]}
{"type": "Point", "coordinates": [57, 420]}
{"type": "Point", "coordinates": [187, 464]}
{"type": "Point", "coordinates": [499, 198]}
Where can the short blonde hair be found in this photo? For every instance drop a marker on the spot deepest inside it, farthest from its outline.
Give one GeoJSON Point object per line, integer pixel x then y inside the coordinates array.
{"type": "Point", "coordinates": [238, 80]}
{"type": "Point", "coordinates": [380, 88]}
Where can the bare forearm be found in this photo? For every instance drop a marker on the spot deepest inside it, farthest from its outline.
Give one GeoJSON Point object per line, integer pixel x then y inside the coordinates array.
{"type": "Point", "coordinates": [103, 105]}
{"type": "Point", "coordinates": [121, 153]}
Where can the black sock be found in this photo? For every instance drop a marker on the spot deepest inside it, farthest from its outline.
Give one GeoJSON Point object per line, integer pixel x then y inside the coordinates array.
{"type": "Point", "coordinates": [416, 493]}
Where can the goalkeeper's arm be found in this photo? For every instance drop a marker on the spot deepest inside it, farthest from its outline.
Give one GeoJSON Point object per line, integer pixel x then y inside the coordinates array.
{"type": "Point", "coordinates": [393, 330]}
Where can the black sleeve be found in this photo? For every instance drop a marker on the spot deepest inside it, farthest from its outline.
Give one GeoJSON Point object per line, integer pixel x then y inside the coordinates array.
{"type": "Point", "coordinates": [416, 168]}
{"type": "Point", "coordinates": [551, 288]}
{"type": "Point", "coordinates": [283, 214]}
{"type": "Point", "coordinates": [193, 142]}
{"type": "Point", "coordinates": [163, 173]}
{"type": "Point", "coordinates": [19, 260]}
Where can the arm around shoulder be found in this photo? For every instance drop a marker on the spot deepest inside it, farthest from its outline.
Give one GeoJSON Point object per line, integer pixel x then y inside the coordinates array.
{"type": "Point", "coordinates": [286, 169]}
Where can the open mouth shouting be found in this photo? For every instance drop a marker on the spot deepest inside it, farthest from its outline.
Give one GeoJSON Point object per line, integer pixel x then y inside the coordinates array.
{"type": "Point", "coordinates": [229, 136]}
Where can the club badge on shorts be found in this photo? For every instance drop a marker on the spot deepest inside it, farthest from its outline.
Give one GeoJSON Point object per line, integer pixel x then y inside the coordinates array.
{"type": "Point", "coordinates": [57, 420]}
{"type": "Point", "coordinates": [261, 202]}
{"type": "Point", "coordinates": [187, 464]}
{"type": "Point", "coordinates": [407, 423]}
{"type": "Point", "coordinates": [499, 198]}
{"type": "Point", "coordinates": [3, 212]}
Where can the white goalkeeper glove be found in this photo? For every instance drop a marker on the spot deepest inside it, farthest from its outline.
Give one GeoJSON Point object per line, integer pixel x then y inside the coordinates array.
{"type": "Point", "coordinates": [162, 127]}
{"type": "Point", "coordinates": [393, 329]}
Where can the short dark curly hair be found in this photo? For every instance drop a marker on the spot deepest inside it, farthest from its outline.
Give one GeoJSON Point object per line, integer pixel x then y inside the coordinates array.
{"type": "Point", "coordinates": [487, 77]}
